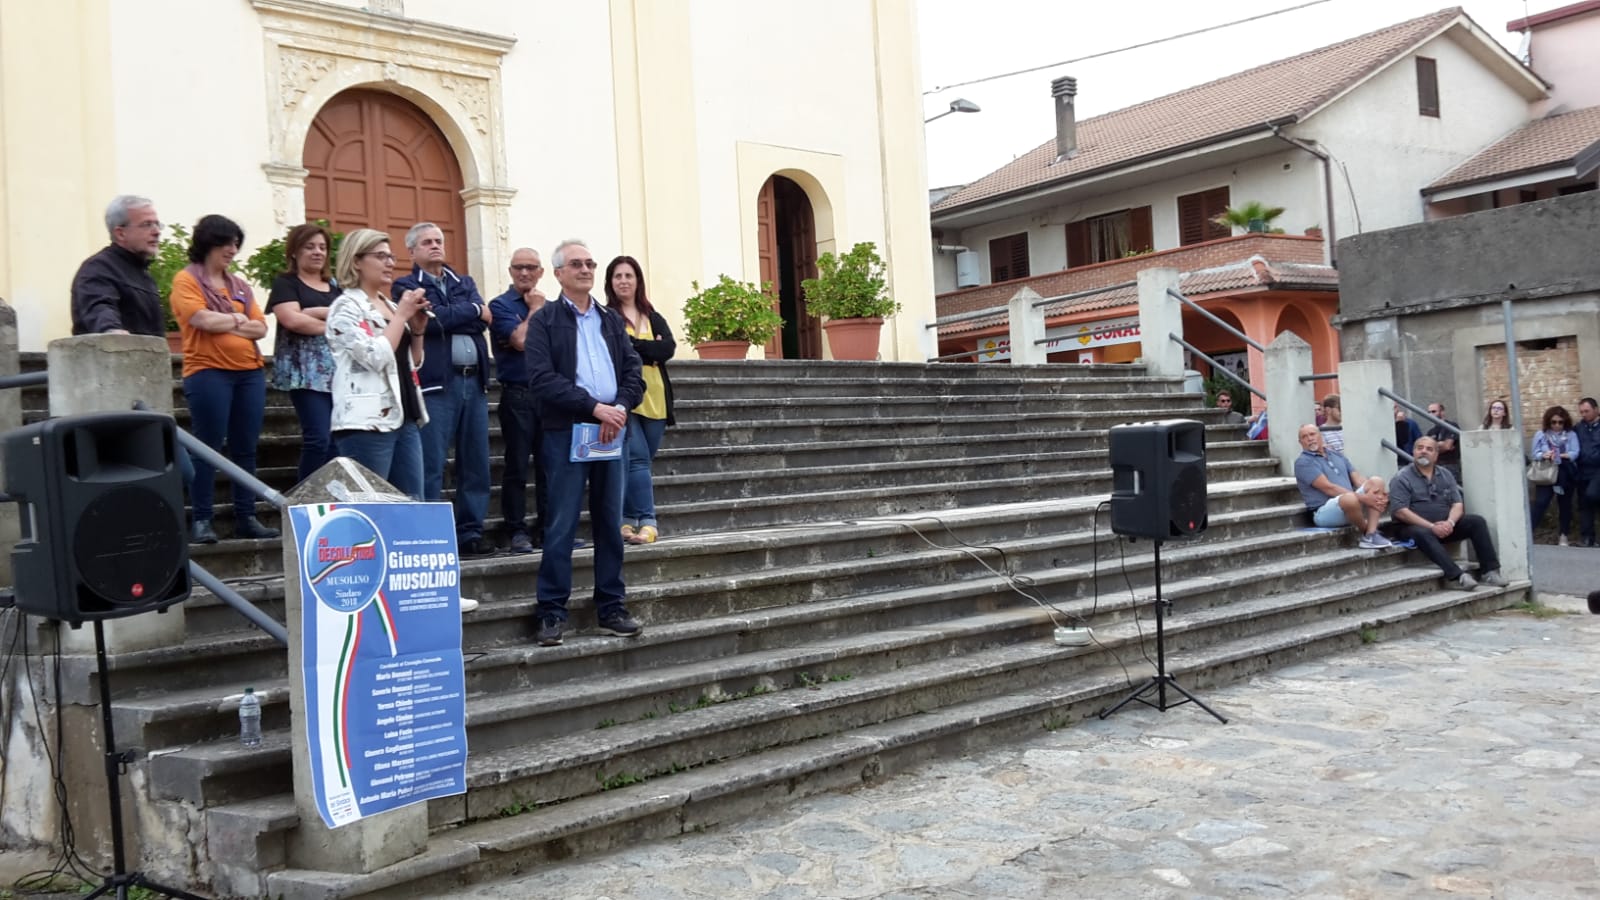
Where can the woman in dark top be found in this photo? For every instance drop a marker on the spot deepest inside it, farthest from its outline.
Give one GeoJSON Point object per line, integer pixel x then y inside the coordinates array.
{"type": "Point", "coordinates": [302, 364]}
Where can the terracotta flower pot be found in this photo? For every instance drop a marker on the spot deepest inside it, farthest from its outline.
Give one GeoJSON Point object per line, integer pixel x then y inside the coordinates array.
{"type": "Point", "coordinates": [723, 349]}
{"type": "Point", "coordinates": [854, 338]}
{"type": "Point", "coordinates": [175, 341]}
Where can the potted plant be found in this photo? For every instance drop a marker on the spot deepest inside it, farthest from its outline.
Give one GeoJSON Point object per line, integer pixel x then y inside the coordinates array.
{"type": "Point", "coordinates": [723, 320]}
{"type": "Point", "coordinates": [851, 293]}
{"type": "Point", "coordinates": [171, 256]}
{"type": "Point", "coordinates": [1254, 217]}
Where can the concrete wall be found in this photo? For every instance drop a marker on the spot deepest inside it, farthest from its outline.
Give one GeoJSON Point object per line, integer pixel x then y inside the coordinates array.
{"type": "Point", "coordinates": [626, 123]}
{"type": "Point", "coordinates": [1563, 54]}
{"type": "Point", "coordinates": [1390, 152]}
{"type": "Point", "coordinates": [1428, 296]}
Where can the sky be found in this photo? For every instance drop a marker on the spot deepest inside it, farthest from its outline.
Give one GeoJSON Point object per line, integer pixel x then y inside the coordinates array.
{"type": "Point", "coordinates": [963, 40]}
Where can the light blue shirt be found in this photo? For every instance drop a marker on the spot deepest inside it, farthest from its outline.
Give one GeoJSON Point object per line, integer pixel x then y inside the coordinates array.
{"type": "Point", "coordinates": [594, 372]}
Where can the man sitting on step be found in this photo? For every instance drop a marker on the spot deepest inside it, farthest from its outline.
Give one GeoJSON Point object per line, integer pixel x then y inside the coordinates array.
{"type": "Point", "coordinates": [1426, 501]}
{"type": "Point", "coordinates": [1334, 492]}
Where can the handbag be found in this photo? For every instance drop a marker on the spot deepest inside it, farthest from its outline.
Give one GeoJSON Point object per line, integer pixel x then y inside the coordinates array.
{"type": "Point", "coordinates": [1543, 472]}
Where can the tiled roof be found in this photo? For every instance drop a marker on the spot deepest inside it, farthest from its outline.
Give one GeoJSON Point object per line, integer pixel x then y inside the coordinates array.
{"type": "Point", "coordinates": [1293, 87]}
{"type": "Point", "coordinates": [1255, 272]}
{"type": "Point", "coordinates": [1540, 144]}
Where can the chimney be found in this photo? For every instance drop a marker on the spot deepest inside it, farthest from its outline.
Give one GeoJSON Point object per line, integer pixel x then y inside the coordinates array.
{"type": "Point", "coordinates": [1065, 90]}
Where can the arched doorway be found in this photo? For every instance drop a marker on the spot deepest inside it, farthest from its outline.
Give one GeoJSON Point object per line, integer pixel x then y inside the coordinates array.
{"type": "Point", "coordinates": [376, 161]}
{"type": "Point", "coordinates": [787, 233]}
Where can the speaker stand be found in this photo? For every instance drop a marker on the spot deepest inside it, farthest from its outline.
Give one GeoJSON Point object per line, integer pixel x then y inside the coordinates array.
{"type": "Point", "coordinates": [1161, 681]}
{"type": "Point", "coordinates": [119, 881]}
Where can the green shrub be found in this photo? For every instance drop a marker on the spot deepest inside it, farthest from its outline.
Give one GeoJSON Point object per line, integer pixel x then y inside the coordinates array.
{"type": "Point", "coordinates": [171, 257]}
{"type": "Point", "coordinates": [730, 311]}
{"type": "Point", "coordinates": [852, 286]}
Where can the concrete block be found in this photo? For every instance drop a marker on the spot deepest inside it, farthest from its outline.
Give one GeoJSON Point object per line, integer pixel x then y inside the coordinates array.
{"type": "Point", "coordinates": [1491, 465]}
{"type": "Point", "coordinates": [1368, 417]}
{"type": "Point", "coordinates": [378, 841]}
{"type": "Point", "coordinates": [1027, 329]}
{"type": "Point", "coordinates": [1288, 358]}
{"type": "Point", "coordinates": [10, 417]}
{"type": "Point", "coordinates": [1160, 316]}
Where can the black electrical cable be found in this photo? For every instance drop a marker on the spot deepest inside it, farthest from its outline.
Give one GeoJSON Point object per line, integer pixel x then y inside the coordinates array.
{"type": "Point", "coordinates": [1133, 600]}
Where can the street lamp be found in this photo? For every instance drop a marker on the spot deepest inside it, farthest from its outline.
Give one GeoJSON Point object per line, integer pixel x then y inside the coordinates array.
{"type": "Point", "coordinates": [960, 104]}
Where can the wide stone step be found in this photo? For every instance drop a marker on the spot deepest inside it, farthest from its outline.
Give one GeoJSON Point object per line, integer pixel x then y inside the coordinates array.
{"type": "Point", "coordinates": [735, 787]}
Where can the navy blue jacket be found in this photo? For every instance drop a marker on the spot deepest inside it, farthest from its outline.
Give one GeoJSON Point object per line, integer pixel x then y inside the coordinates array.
{"type": "Point", "coordinates": [508, 311]}
{"type": "Point", "coordinates": [552, 356]}
{"type": "Point", "coordinates": [459, 312]}
{"type": "Point", "coordinates": [1588, 448]}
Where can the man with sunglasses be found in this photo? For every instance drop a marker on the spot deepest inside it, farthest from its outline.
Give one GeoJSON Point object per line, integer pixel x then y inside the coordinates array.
{"type": "Point", "coordinates": [519, 414]}
{"type": "Point", "coordinates": [583, 369]}
{"type": "Point", "coordinates": [1425, 499]}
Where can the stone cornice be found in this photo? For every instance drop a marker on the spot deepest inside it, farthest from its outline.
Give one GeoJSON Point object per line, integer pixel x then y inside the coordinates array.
{"type": "Point", "coordinates": [315, 11]}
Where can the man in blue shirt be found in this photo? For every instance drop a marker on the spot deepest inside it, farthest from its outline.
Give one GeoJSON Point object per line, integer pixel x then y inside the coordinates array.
{"type": "Point", "coordinates": [519, 414]}
{"type": "Point", "coordinates": [1335, 493]}
{"type": "Point", "coordinates": [582, 368]}
{"type": "Point", "coordinates": [455, 384]}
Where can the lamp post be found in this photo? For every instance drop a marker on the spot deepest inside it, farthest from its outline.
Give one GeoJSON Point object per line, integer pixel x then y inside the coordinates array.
{"type": "Point", "coordinates": [958, 105]}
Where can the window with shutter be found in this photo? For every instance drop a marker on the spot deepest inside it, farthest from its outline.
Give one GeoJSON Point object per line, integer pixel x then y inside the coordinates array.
{"type": "Point", "coordinates": [1427, 87]}
{"type": "Point", "coordinates": [1008, 257]}
{"type": "Point", "coordinates": [1195, 214]}
{"type": "Point", "coordinates": [1111, 236]}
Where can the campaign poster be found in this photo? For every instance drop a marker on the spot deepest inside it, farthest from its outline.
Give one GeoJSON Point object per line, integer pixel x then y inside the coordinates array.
{"type": "Point", "coordinates": [380, 628]}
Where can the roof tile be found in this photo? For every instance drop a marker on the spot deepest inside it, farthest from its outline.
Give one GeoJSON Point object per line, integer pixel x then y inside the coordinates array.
{"type": "Point", "coordinates": [1540, 144]}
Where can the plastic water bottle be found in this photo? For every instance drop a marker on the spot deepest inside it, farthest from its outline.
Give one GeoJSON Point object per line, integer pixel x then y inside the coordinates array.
{"type": "Point", "coordinates": [250, 719]}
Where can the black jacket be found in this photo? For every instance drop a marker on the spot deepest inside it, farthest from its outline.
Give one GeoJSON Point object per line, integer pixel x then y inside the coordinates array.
{"type": "Point", "coordinates": [460, 311]}
{"type": "Point", "coordinates": [113, 289]}
{"type": "Point", "coordinates": [656, 353]}
{"type": "Point", "coordinates": [552, 354]}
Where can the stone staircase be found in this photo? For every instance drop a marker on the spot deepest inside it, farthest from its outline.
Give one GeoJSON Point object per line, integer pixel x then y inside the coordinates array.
{"type": "Point", "coordinates": [839, 594]}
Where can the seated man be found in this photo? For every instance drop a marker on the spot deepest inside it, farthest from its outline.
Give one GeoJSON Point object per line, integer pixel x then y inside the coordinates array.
{"type": "Point", "coordinates": [1334, 492]}
{"type": "Point", "coordinates": [1425, 499]}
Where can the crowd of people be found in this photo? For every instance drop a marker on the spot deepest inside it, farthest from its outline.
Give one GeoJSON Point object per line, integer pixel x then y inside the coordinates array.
{"type": "Point", "coordinates": [392, 370]}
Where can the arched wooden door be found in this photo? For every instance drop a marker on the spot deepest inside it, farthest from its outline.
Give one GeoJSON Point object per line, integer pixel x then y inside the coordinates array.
{"type": "Point", "coordinates": [787, 250]}
{"type": "Point", "coordinates": [376, 161]}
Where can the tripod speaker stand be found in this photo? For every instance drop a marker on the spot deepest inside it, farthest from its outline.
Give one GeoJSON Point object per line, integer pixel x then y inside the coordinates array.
{"type": "Point", "coordinates": [1160, 682]}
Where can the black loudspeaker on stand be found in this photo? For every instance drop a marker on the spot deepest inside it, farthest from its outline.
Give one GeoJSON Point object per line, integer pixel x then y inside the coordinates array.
{"type": "Point", "coordinates": [102, 537]}
{"type": "Point", "coordinates": [1158, 491]}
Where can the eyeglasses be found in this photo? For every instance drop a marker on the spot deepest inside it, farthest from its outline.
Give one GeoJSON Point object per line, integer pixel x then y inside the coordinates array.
{"type": "Point", "coordinates": [589, 264]}
{"type": "Point", "coordinates": [524, 267]}
{"type": "Point", "coordinates": [146, 225]}
{"type": "Point", "coordinates": [383, 257]}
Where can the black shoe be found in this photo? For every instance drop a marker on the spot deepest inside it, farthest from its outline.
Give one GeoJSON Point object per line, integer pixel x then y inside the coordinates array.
{"type": "Point", "coordinates": [549, 633]}
{"type": "Point", "coordinates": [1589, 542]}
{"type": "Point", "coordinates": [202, 533]}
{"type": "Point", "coordinates": [621, 625]}
{"type": "Point", "coordinates": [477, 547]}
{"type": "Point", "coordinates": [521, 544]}
{"type": "Point", "coordinates": [250, 528]}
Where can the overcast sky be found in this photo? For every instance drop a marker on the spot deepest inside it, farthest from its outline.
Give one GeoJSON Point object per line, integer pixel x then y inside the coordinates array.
{"type": "Point", "coordinates": [963, 40]}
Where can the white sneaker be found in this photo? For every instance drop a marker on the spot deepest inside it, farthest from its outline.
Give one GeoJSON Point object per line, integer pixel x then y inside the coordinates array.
{"type": "Point", "coordinates": [468, 604]}
{"type": "Point", "coordinates": [1561, 541]}
{"type": "Point", "coordinates": [1493, 579]}
{"type": "Point", "coordinates": [1465, 583]}
{"type": "Point", "coordinates": [1375, 541]}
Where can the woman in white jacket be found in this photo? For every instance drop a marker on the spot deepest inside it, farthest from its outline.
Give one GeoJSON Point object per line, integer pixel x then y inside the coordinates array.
{"type": "Point", "coordinates": [377, 350]}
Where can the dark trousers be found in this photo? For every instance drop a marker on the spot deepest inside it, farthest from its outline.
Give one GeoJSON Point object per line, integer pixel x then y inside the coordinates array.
{"type": "Point", "coordinates": [1544, 493]}
{"type": "Point", "coordinates": [315, 411]}
{"type": "Point", "coordinates": [1587, 487]}
{"type": "Point", "coordinates": [570, 484]}
{"type": "Point", "coordinates": [225, 410]}
{"type": "Point", "coordinates": [523, 436]}
{"type": "Point", "coordinates": [1470, 528]}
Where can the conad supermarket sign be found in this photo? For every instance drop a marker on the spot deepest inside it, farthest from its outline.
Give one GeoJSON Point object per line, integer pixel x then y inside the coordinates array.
{"type": "Point", "coordinates": [1071, 337]}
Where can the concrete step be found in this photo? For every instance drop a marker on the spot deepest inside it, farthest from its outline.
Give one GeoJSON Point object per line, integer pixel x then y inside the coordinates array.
{"type": "Point", "coordinates": [1056, 690]}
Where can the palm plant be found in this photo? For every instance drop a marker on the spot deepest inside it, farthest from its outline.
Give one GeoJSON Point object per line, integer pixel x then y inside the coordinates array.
{"type": "Point", "coordinates": [1254, 216]}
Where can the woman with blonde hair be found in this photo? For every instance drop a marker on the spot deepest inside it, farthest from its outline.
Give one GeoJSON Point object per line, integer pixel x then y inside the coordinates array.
{"type": "Point", "coordinates": [377, 350]}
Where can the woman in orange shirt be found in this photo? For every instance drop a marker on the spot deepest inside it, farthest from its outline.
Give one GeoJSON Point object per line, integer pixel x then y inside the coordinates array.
{"type": "Point", "coordinates": [223, 380]}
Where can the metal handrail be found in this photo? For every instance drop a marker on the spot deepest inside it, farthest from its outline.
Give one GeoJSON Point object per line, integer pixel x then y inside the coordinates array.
{"type": "Point", "coordinates": [24, 379]}
{"type": "Point", "coordinates": [1216, 321]}
{"type": "Point", "coordinates": [226, 466]}
{"type": "Point", "coordinates": [240, 605]}
{"type": "Point", "coordinates": [1079, 295]}
{"type": "Point", "coordinates": [1320, 376]}
{"type": "Point", "coordinates": [962, 355]}
{"type": "Point", "coordinates": [1385, 392]}
{"type": "Point", "coordinates": [966, 316]}
{"type": "Point", "coordinates": [1389, 446]}
{"type": "Point", "coordinates": [1216, 366]}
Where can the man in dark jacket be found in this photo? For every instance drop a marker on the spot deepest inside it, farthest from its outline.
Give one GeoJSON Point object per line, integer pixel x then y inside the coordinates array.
{"type": "Point", "coordinates": [113, 292]}
{"type": "Point", "coordinates": [582, 369]}
{"type": "Point", "coordinates": [1588, 487]}
{"type": "Point", "coordinates": [455, 384]}
{"type": "Point", "coordinates": [519, 424]}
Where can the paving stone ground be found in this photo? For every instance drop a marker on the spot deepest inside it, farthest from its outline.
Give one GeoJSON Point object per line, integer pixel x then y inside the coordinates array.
{"type": "Point", "coordinates": [1463, 762]}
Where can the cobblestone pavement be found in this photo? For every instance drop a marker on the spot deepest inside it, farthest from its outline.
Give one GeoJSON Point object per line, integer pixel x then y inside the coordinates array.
{"type": "Point", "coordinates": [1463, 762]}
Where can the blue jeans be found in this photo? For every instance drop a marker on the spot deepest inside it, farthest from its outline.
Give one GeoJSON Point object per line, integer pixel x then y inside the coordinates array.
{"type": "Point", "coordinates": [458, 416]}
{"type": "Point", "coordinates": [225, 408]}
{"type": "Point", "coordinates": [1544, 493]}
{"type": "Point", "coordinates": [639, 497]}
{"type": "Point", "coordinates": [395, 456]}
{"type": "Point", "coordinates": [569, 483]}
{"type": "Point", "coordinates": [315, 411]}
{"type": "Point", "coordinates": [522, 433]}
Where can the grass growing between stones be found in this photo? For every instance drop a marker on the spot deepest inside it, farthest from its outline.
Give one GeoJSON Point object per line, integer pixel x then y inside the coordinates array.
{"type": "Point", "coordinates": [1369, 635]}
{"type": "Point", "coordinates": [1538, 610]}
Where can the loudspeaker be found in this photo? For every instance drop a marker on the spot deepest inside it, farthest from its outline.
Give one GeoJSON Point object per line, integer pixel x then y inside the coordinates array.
{"type": "Point", "coordinates": [1158, 479]}
{"type": "Point", "coordinates": [102, 516]}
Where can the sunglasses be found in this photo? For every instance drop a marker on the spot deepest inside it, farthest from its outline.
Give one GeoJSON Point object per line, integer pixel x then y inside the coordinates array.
{"type": "Point", "coordinates": [589, 264]}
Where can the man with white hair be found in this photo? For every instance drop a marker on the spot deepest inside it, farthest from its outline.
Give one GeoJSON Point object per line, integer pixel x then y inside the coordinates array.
{"type": "Point", "coordinates": [113, 292]}
{"type": "Point", "coordinates": [455, 384]}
